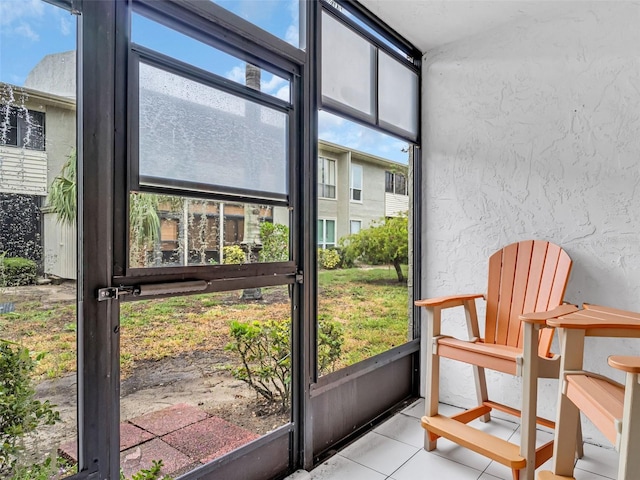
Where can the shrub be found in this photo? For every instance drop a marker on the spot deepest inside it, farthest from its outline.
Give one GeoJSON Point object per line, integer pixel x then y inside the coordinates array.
{"type": "Point", "coordinates": [330, 342]}
{"type": "Point", "coordinates": [264, 349]}
{"type": "Point", "coordinates": [16, 271]}
{"type": "Point", "coordinates": [385, 241]}
{"type": "Point", "coordinates": [275, 242]}
{"type": "Point", "coordinates": [20, 413]}
{"type": "Point", "coordinates": [233, 254]}
{"type": "Point", "coordinates": [152, 473]}
{"type": "Point", "coordinates": [328, 258]}
{"type": "Point", "coordinates": [46, 470]}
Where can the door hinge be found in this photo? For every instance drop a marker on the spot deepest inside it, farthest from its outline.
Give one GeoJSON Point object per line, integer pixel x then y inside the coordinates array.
{"type": "Point", "coordinates": [300, 277]}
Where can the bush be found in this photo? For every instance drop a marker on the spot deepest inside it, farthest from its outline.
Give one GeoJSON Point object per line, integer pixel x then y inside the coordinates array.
{"type": "Point", "coordinates": [152, 473]}
{"type": "Point", "coordinates": [275, 242]}
{"type": "Point", "coordinates": [16, 271]}
{"type": "Point", "coordinates": [330, 342]}
{"type": "Point", "coordinates": [20, 413]}
{"type": "Point", "coordinates": [264, 349]}
{"type": "Point", "coordinates": [328, 258]}
{"type": "Point", "coordinates": [46, 470]}
{"type": "Point", "coordinates": [233, 254]}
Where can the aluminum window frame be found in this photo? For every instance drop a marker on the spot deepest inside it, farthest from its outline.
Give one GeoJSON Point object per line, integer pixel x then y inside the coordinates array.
{"type": "Point", "coordinates": [411, 62]}
{"type": "Point", "coordinates": [191, 18]}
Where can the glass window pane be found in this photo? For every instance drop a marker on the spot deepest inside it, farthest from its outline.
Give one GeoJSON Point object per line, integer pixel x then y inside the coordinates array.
{"type": "Point", "coordinates": [401, 184]}
{"type": "Point", "coordinates": [356, 176]}
{"type": "Point", "coordinates": [38, 314]}
{"type": "Point", "coordinates": [397, 95]}
{"type": "Point", "coordinates": [331, 231]}
{"type": "Point", "coordinates": [278, 17]}
{"type": "Point", "coordinates": [170, 231]}
{"type": "Point", "coordinates": [359, 289]}
{"type": "Point", "coordinates": [340, 131]}
{"type": "Point", "coordinates": [347, 67]}
{"type": "Point", "coordinates": [193, 136]}
{"type": "Point", "coordinates": [169, 42]}
{"type": "Point", "coordinates": [320, 232]}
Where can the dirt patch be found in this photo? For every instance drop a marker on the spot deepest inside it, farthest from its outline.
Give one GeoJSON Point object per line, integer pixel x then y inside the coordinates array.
{"type": "Point", "coordinates": [195, 379]}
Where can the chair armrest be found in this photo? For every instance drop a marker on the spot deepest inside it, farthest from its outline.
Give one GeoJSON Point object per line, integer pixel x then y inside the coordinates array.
{"type": "Point", "coordinates": [626, 363]}
{"type": "Point", "coordinates": [447, 302]}
{"type": "Point", "coordinates": [542, 317]}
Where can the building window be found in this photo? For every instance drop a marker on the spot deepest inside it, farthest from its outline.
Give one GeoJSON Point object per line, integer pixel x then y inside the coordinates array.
{"type": "Point", "coordinates": [395, 183]}
{"type": "Point", "coordinates": [356, 183]}
{"type": "Point", "coordinates": [233, 230]}
{"type": "Point", "coordinates": [326, 178]}
{"type": "Point", "coordinates": [326, 233]}
{"type": "Point", "coordinates": [24, 128]}
{"type": "Point", "coordinates": [356, 226]}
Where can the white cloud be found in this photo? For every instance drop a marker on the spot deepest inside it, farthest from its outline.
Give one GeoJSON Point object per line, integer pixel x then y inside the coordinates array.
{"type": "Point", "coordinates": [14, 11]}
{"type": "Point", "coordinates": [283, 94]}
{"type": "Point", "coordinates": [25, 30]}
{"type": "Point", "coordinates": [292, 35]}
{"type": "Point", "coordinates": [236, 74]}
{"type": "Point", "coordinates": [66, 25]}
{"type": "Point", "coordinates": [272, 84]}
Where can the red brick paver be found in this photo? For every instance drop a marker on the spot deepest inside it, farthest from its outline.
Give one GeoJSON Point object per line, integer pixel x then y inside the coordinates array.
{"type": "Point", "coordinates": [169, 419]}
{"type": "Point", "coordinates": [130, 435]}
{"type": "Point", "coordinates": [209, 439]}
{"type": "Point", "coordinates": [143, 455]}
{"type": "Point", "coordinates": [182, 436]}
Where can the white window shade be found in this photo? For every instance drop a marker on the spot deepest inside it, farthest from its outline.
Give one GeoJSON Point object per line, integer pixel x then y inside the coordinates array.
{"type": "Point", "coordinates": [347, 67]}
{"type": "Point", "coordinates": [397, 95]}
{"type": "Point", "coordinates": [196, 137]}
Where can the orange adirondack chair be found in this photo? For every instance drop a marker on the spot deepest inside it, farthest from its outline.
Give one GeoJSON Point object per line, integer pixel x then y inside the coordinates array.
{"type": "Point", "coordinates": [524, 277]}
{"type": "Point", "coordinates": [613, 408]}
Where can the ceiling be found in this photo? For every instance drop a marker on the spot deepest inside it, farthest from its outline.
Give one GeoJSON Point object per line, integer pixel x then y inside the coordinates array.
{"type": "Point", "coordinates": [429, 24]}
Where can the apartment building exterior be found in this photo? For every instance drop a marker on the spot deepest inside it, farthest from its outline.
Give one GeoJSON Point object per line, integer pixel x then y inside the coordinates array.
{"type": "Point", "coordinates": [37, 134]}
{"type": "Point", "coordinates": [355, 189]}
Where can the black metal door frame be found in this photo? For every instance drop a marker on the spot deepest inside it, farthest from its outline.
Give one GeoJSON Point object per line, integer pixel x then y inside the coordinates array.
{"type": "Point", "coordinates": [102, 189]}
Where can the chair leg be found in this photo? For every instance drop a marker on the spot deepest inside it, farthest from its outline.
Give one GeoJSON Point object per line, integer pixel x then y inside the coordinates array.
{"type": "Point", "coordinates": [565, 443]}
{"type": "Point", "coordinates": [629, 463]}
{"type": "Point", "coordinates": [433, 372]}
{"type": "Point", "coordinates": [529, 399]}
{"type": "Point", "coordinates": [579, 441]}
{"type": "Point", "coordinates": [478, 372]}
{"type": "Point", "coordinates": [481, 390]}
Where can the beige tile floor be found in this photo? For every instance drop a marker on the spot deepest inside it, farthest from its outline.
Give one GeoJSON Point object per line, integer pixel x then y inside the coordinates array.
{"type": "Point", "coordinates": [393, 451]}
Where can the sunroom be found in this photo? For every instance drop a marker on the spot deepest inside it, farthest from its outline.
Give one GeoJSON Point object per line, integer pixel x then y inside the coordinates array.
{"type": "Point", "coordinates": [226, 209]}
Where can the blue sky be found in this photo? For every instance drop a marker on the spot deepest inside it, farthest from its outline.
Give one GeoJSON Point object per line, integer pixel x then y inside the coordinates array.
{"type": "Point", "coordinates": [31, 29]}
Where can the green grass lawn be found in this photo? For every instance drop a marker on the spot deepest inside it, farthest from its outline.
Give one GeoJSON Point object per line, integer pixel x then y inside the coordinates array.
{"type": "Point", "coordinates": [370, 304]}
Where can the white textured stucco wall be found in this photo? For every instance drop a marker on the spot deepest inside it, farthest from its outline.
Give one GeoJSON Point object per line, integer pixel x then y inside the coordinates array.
{"type": "Point", "coordinates": [532, 130]}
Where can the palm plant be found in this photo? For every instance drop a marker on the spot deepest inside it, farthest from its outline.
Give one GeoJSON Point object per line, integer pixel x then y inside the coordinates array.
{"type": "Point", "coordinates": [144, 222]}
{"type": "Point", "coordinates": [62, 193]}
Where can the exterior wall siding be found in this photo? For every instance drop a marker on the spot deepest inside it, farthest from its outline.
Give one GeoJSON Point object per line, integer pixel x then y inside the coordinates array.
{"type": "Point", "coordinates": [395, 205]}
{"type": "Point", "coordinates": [22, 171]}
{"type": "Point", "coordinates": [60, 248]}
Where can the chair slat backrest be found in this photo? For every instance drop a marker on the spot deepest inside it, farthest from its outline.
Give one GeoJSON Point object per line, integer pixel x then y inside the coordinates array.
{"type": "Point", "coordinates": [528, 276]}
